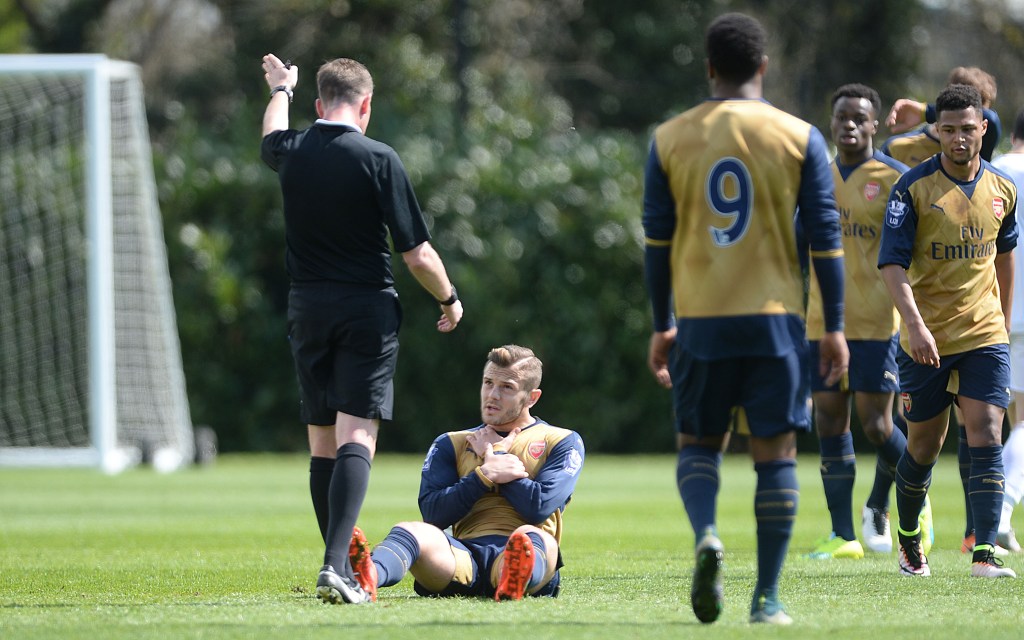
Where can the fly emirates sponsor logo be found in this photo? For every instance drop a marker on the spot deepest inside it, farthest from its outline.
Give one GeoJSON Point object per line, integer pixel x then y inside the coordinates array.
{"type": "Point", "coordinates": [972, 245]}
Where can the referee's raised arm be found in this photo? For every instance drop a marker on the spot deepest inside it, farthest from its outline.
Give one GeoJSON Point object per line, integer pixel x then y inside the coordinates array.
{"type": "Point", "coordinates": [281, 77]}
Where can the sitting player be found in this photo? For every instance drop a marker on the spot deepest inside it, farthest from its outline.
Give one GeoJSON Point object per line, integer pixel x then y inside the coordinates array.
{"type": "Point", "coordinates": [501, 487]}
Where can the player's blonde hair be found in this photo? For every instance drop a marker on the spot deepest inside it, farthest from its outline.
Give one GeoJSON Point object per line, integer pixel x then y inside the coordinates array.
{"type": "Point", "coordinates": [343, 80]}
{"type": "Point", "coordinates": [978, 78]}
{"type": "Point", "coordinates": [522, 360]}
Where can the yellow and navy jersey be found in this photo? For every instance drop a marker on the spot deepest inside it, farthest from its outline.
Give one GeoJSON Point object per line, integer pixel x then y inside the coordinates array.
{"type": "Point", "coordinates": [946, 234]}
{"type": "Point", "coordinates": [913, 147]}
{"type": "Point", "coordinates": [722, 185]}
{"type": "Point", "coordinates": [862, 191]}
{"type": "Point", "coordinates": [453, 491]}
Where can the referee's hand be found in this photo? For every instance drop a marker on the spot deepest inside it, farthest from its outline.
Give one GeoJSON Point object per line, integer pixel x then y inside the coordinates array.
{"type": "Point", "coordinates": [278, 73]}
{"type": "Point", "coordinates": [450, 317]}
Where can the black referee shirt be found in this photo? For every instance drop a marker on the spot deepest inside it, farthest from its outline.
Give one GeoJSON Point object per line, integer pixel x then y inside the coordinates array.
{"type": "Point", "coordinates": [343, 193]}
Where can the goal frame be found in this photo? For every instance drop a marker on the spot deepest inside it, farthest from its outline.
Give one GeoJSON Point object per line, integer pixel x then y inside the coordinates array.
{"type": "Point", "coordinates": [97, 71]}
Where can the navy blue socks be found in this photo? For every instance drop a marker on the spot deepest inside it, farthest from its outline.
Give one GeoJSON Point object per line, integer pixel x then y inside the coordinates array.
{"type": "Point", "coordinates": [394, 556]}
{"type": "Point", "coordinates": [775, 504]}
{"type": "Point", "coordinates": [885, 469]}
{"type": "Point", "coordinates": [985, 491]}
{"type": "Point", "coordinates": [912, 481]}
{"type": "Point", "coordinates": [838, 473]}
{"type": "Point", "coordinates": [963, 456]}
{"type": "Point", "coordinates": [697, 480]}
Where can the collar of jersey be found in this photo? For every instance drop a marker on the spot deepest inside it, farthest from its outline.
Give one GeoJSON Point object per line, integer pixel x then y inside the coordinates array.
{"type": "Point", "coordinates": [338, 123]}
{"type": "Point", "coordinates": [535, 422]}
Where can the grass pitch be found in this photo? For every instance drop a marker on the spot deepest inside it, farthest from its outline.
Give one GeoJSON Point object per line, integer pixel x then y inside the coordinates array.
{"type": "Point", "coordinates": [232, 551]}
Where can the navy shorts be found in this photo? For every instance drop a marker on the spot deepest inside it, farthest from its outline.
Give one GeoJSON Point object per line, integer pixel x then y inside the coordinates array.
{"type": "Point", "coordinates": [980, 374]}
{"type": "Point", "coordinates": [872, 367]}
{"type": "Point", "coordinates": [773, 392]}
{"type": "Point", "coordinates": [474, 560]}
{"type": "Point", "coordinates": [345, 346]}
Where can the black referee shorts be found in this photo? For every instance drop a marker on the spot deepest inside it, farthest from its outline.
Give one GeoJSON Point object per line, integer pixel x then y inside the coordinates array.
{"type": "Point", "coordinates": [345, 346]}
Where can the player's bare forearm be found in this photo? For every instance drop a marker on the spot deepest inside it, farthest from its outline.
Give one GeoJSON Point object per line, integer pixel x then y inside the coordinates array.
{"type": "Point", "coordinates": [922, 344]}
{"type": "Point", "coordinates": [905, 115]}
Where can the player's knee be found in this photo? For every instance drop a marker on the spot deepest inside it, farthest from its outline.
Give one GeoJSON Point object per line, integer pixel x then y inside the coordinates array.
{"type": "Point", "coordinates": [877, 429]}
{"type": "Point", "coordinates": [427, 536]}
{"type": "Point", "coordinates": [830, 428]}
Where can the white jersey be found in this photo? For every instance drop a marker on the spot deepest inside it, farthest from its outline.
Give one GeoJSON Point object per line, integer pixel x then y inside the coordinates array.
{"type": "Point", "coordinates": [1013, 165]}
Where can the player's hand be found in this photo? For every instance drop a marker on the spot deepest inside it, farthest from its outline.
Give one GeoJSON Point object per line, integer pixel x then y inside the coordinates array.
{"type": "Point", "coordinates": [276, 73]}
{"type": "Point", "coordinates": [834, 357]}
{"type": "Point", "coordinates": [905, 115]}
{"type": "Point", "coordinates": [450, 317]}
{"type": "Point", "coordinates": [922, 346]}
{"type": "Point", "coordinates": [657, 355]}
{"type": "Point", "coordinates": [501, 468]}
{"type": "Point", "coordinates": [481, 438]}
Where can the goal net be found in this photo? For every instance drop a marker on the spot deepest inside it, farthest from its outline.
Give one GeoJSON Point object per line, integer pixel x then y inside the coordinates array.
{"type": "Point", "coordinates": [90, 363]}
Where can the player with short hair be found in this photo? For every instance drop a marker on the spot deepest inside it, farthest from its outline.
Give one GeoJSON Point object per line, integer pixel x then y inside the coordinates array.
{"type": "Point", "coordinates": [344, 194]}
{"type": "Point", "coordinates": [946, 258]}
{"type": "Point", "coordinates": [501, 487]}
{"type": "Point", "coordinates": [1012, 164]}
{"type": "Point", "coordinates": [723, 181]}
{"type": "Point", "coordinates": [863, 177]}
{"type": "Point", "coordinates": [914, 147]}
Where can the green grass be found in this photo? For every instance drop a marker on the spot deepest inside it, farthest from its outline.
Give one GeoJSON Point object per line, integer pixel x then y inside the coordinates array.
{"type": "Point", "coordinates": [232, 551]}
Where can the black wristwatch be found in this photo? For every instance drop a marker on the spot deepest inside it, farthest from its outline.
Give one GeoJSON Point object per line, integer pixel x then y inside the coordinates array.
{"type": "Point", "coordinates": [287, 91]}
{"type": "Point", "coordinates": [451, 299]}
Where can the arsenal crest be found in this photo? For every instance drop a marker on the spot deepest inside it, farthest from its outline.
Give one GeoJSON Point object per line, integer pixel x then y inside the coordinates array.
{"type": "Point", "coordinates": [907, 401]}
{"type": "Point", "coordinates": [871, 190]}
{"type": "Point", "coordinates": [537, 449]}
{"type": "Point", "coordinates": [997, 208]}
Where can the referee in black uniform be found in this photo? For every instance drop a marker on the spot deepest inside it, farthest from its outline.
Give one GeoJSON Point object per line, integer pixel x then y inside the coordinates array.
{"type": "Point", "coordinates": [343, 194]}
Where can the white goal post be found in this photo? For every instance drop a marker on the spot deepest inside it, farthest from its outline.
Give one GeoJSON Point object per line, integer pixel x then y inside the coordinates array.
{"type": "Point", "coordinates": [90, 361]}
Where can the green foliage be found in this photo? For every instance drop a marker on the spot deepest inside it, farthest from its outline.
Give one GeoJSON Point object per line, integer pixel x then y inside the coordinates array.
{"type": "Point", "coordinates": [13, 28]}
{"type": "Point", "coordinates": [538, 223]}
{"type": "Point", "coordinates": [871, 42]}
{"type": "Point", "coordinates": [632, 68]}
{"type": "Point", "coordinates": [524, 125]}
